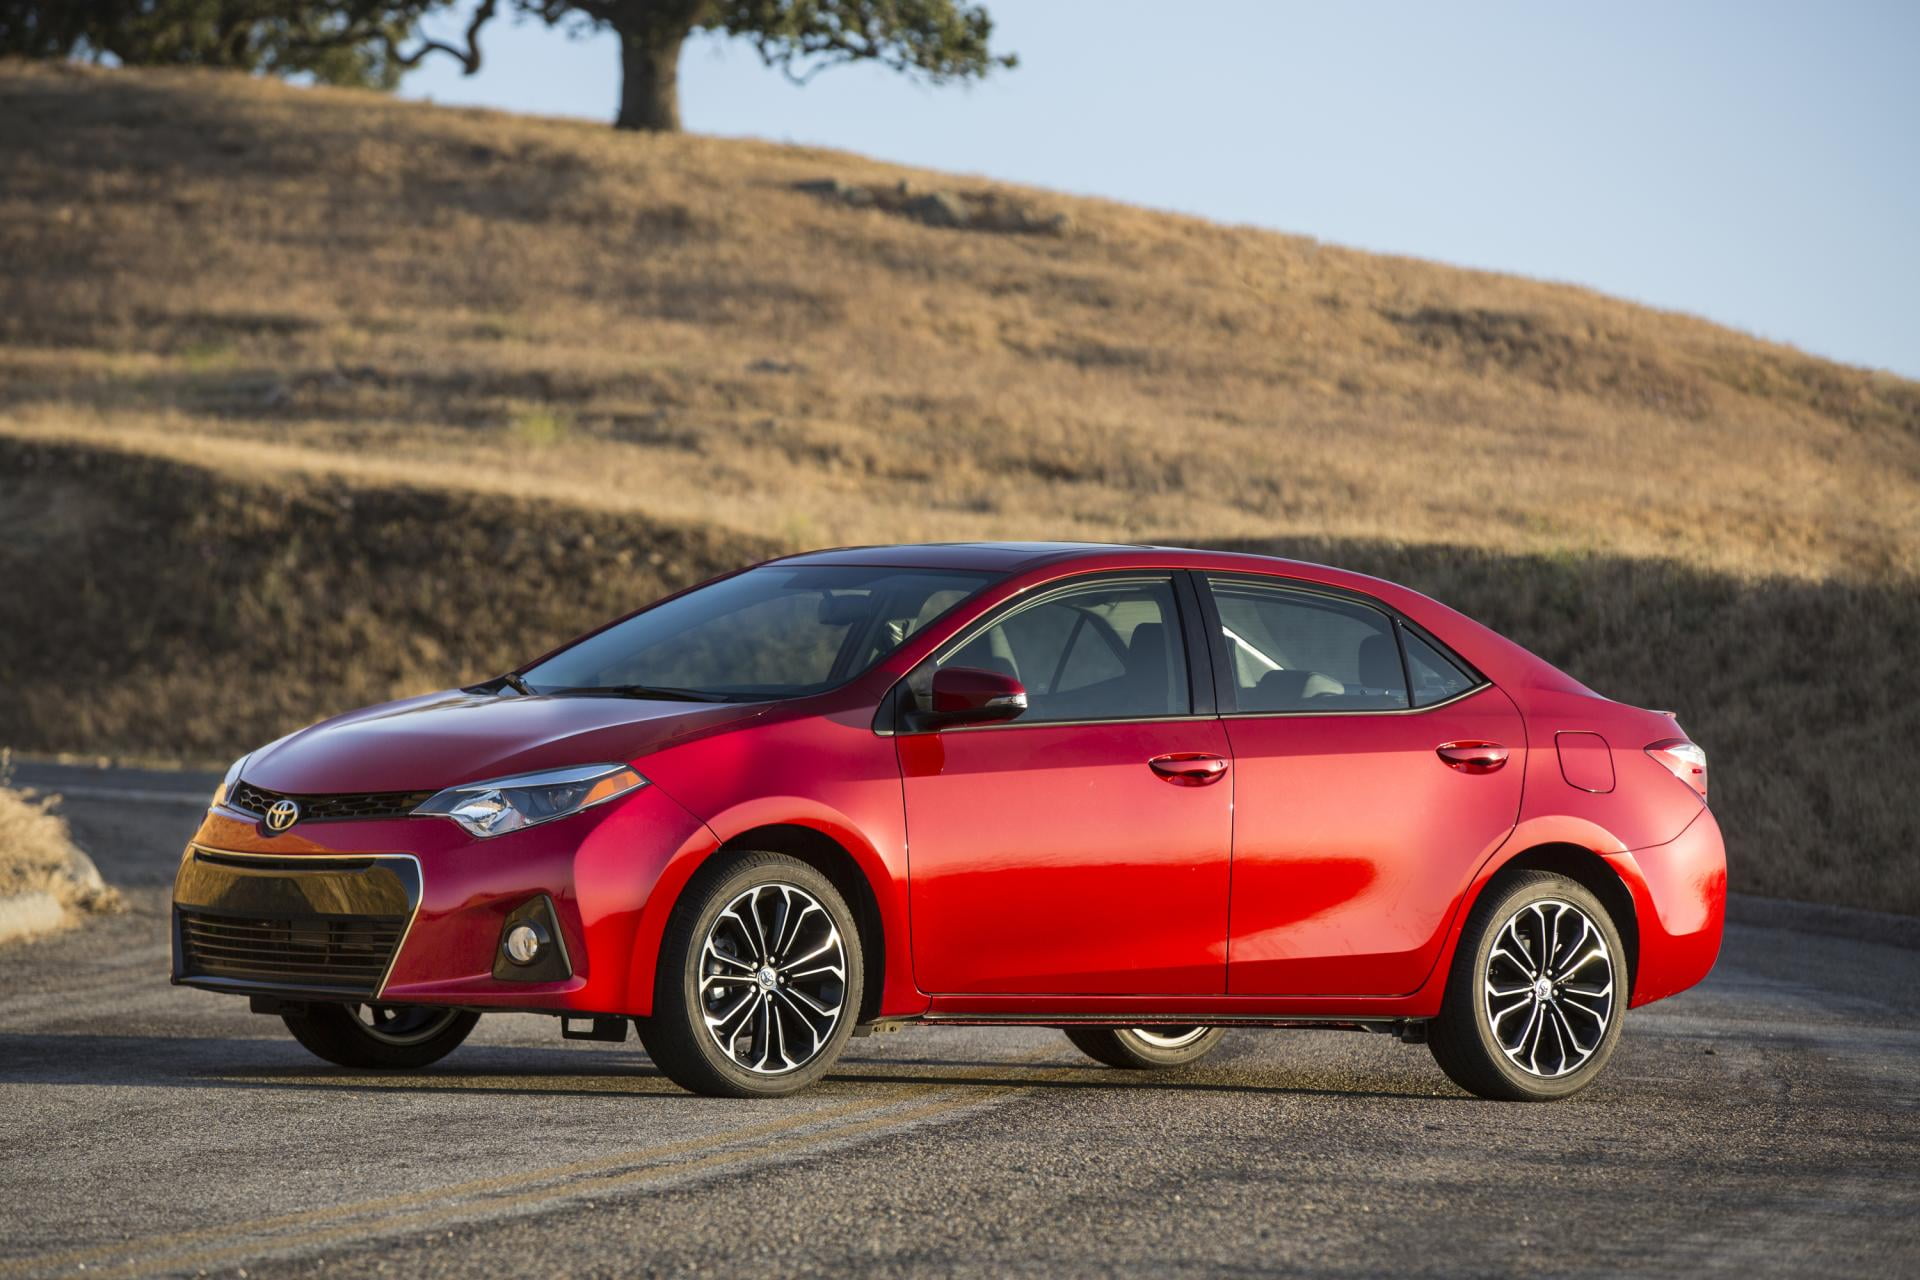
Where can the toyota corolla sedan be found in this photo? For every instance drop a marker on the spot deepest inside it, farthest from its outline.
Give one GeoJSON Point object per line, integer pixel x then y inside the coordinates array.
{"type": "Point", "coordinates": [1143, 795]}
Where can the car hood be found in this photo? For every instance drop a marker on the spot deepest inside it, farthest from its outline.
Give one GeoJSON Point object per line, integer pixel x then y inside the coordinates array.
{"type": "Point", "coordinates": [441, 739]}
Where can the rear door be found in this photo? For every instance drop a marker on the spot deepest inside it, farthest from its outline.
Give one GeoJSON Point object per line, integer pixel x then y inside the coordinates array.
{"type": "Point", "coordinates": [1352, 831]}
{"type": "Point", "coordinates": [1048, 855]}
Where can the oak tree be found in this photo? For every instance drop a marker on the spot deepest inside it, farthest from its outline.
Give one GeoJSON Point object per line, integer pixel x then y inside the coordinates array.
{"type": "Point", "coordinates": [939, 41]}
{"type": "Point", "coordinates": [354, 42]}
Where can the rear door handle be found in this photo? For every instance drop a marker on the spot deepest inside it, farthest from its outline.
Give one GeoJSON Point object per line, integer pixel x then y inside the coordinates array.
{"type": "Point", "coordinates": [1472, 757]}
{"type": "Point", "coordinates": [1189, 768]}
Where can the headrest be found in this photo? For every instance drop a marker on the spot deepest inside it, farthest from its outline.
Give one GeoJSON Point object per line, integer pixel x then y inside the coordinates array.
{"type": "Point", "coordinates": [1380, 663]}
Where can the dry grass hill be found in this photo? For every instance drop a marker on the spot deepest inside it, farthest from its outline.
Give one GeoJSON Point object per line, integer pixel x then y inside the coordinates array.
{"type": "Point", "coordinates": [312, 397]}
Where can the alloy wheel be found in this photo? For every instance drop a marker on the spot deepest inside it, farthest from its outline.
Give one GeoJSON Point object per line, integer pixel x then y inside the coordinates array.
{"type": "Point", "coordinates": [1170, 1037]}
{"type": "Point", "coordinates": [773, 979]}
{"type": "Point", "coordinates": [1548, 989]}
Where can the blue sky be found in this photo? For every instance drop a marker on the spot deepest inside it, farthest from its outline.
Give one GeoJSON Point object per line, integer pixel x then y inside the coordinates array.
{"type": "Point", "coordinates": [1756, 162]}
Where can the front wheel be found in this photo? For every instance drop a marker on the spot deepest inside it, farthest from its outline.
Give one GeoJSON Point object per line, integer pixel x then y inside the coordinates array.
{"type": "Point", "coordinates": [1536, 995]}
{"type": "Point", "coordinates": [379, 1035]}
{"type": "Point", "coordinates": [759, 980]}
{"type": "Point", "coordinates": [1145, 1048]}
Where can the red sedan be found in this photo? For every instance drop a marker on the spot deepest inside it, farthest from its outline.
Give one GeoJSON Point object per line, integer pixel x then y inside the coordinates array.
{"type": "Point", "coordinates": [1140, 794]}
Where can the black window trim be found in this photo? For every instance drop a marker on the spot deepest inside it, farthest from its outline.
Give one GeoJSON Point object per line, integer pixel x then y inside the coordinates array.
{"type": "Point", "coordinates": [1227, 694]}
{"type": "Point", "coordinates": [891, 720]}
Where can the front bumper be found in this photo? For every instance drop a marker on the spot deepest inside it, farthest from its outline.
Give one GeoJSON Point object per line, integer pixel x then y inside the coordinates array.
{"type": "Point", "coordinates": [327, 927]}
{"type": "Point", "coordinates": [413, 910]}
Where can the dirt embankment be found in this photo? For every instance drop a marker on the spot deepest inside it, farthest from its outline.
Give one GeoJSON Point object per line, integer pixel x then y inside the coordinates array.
{"type": "Point", "coordinates": [46, 882]}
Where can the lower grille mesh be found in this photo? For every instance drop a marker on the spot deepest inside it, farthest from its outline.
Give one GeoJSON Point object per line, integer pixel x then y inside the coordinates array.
{"type": "Point", "coordinates": [348, 955]}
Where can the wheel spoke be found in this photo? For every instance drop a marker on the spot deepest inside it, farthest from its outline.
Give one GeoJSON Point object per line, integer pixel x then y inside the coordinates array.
{"type": "Point", "coordinates": [1597, 955]}
{"type": "Point", "coordinates": [1568, 1037]}
{"type": "Point", "coordinates": [1530, 1033]}
{"type": "Point", "coordinates": [1598, 1013]}
{"type": "Point", "coordinates": [818, 1022]}
{"type": "Point", "coordinates": [736, 963]}
{"type": "Point", "coordinates": [814, 1006]}
{"type": "Point", "coordinates": [1496, 1017]}
{"type": "Point", "coordinates": [830, 947]}
{"type": "Point", "coordinates": [792, 921]}
{"type": "Point", "coordinates": [727, 1025]}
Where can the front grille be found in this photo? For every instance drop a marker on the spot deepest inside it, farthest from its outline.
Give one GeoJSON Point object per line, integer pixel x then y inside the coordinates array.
{"type": "Point", "coordinates": [344, 807]}
{"type": "Point", "coordinates": [345, 955]}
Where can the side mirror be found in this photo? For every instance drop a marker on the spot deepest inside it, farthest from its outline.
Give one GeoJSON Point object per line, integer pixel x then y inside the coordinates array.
{"type": "Point", "coordinates": [968, 695]}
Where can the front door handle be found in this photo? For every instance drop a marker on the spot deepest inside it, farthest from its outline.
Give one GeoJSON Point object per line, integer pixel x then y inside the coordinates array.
{"type": "Point", "coordinates": [1472, 757]}
{"type": "Point", "coordinates": [1189, 768]}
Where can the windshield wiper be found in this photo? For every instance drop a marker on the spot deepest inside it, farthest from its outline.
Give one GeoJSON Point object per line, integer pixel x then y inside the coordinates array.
{"type": "Point", "coordinates": [663, 692]}
{"type": "Point", "coordinates": [512, 680]}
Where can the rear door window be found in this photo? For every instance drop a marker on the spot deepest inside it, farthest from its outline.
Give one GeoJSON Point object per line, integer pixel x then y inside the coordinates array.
{"type": "Point", "coordinates": [1293, 651]}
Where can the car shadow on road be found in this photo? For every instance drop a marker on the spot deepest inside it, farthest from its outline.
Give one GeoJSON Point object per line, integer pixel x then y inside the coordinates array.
{"type": "Point", "coordinates": [211, 1062]}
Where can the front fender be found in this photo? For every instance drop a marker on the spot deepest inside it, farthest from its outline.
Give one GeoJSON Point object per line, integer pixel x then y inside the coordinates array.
{"type": "Point", "coordinates": [898, 997]}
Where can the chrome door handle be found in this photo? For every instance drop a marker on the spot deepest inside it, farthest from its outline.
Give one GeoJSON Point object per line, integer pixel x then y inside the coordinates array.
{"type": "Point", "coordinates": [1472, 757]}
{"type": "Point", "coordinates": [1189, 768]}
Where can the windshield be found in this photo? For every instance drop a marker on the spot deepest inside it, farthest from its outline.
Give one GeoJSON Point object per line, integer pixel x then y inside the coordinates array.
{"type": "Point", "coordinates": [774, 632]}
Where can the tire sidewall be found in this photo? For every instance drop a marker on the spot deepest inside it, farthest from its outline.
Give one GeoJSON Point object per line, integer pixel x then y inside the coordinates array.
{"type": "Point", "coordinates": [1121, 1047]}
{"type": "Point", "coordinates": [1469, 982]}
{"type": "Point", "coordinates": [333, 1033]}
{"type": "Point", "coordinates": [755, 871]}
{"type": "Point", "coordinates": [1152, 1055]}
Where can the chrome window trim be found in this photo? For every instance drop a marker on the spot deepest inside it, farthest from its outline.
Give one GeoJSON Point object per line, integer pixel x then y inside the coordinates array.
{"type": "Point", "coordinates": [419, 874]}
{"type": "Point", "coordinates": [1358, 711]}
{"type": "Point", "coordinates": [1064, 724]}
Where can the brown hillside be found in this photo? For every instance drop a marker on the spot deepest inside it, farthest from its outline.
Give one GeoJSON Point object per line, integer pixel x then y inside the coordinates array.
{"type": "Point", "coordinates": [204, 264]}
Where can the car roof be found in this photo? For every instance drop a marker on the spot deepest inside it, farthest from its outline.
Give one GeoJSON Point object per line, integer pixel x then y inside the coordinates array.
{"type": "Point", "coordinates": [1003, 556]}
{"type": "Point", "coordinates": [1019, 557]}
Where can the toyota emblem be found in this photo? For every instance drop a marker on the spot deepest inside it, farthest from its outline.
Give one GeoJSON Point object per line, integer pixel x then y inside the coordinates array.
{"type": "Point", "coordinates": [282, 814]}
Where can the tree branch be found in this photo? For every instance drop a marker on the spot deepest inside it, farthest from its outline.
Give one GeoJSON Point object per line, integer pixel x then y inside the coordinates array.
{"type": "Point", "coordinates": [374, 23]}
{"type": "Point", "coordinates": [468, 58]}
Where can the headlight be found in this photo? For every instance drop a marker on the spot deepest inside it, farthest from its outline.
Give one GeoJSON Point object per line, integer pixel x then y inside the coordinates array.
{"type": "Point", "coordinates": [225, 788]}
{"type": "Point", "coordinates": [500, 805]}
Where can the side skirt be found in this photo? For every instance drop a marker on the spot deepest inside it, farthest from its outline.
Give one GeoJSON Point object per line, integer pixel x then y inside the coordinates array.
{"type": "Point", "coordinates": [1411, 1030]}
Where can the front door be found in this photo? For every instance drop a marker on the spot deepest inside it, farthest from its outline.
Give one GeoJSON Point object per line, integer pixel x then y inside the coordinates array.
{"type": "Point", "coordinates": [1074, 850]}
{"type": "Point", "coordinates": [1352, 833]}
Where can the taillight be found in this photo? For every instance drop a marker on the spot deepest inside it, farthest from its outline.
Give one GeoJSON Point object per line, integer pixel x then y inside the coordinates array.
{"type": "Point", "coordinates": [1684, 760]}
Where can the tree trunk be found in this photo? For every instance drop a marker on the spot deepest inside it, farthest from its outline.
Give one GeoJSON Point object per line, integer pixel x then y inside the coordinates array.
{"type": "Point", "coordinates": [650, 77]}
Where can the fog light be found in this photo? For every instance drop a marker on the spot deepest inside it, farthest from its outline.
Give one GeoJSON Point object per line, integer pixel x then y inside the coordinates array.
{"type": "Point", "coordinates": [525, 942]}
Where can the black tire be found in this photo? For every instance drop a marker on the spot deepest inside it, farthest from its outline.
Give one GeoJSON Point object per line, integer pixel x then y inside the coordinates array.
{"type": "Point", "coordinates": [1135, 1048]}
{"type": "Point", "coordinates": [386, 1037]}
{"type": "Point", "coordinates": [1547, 912]}
{"type": "Point", "coordinates": [789, 1048]}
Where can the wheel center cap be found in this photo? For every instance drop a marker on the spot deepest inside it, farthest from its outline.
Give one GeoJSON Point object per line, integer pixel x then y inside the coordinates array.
{"type": "Point", "coordinates": [1542, 988]}
{"type": "Point", "coordinates": [767, 978]}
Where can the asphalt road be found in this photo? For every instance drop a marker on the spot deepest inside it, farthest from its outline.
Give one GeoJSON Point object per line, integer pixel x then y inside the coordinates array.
{"type": "Point", "coordinates": [1767, 1122]}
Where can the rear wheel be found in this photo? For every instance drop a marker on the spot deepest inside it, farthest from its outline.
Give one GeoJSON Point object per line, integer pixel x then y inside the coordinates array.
{"type": "Point", "coordinates": [759, 980]}
{"type": "Point", "coordinates": [1537, 993]}
{"type": "Point", "coordinates": [1145, 1048]}
{"type": "Point", "coordinates": [380, 1035]}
